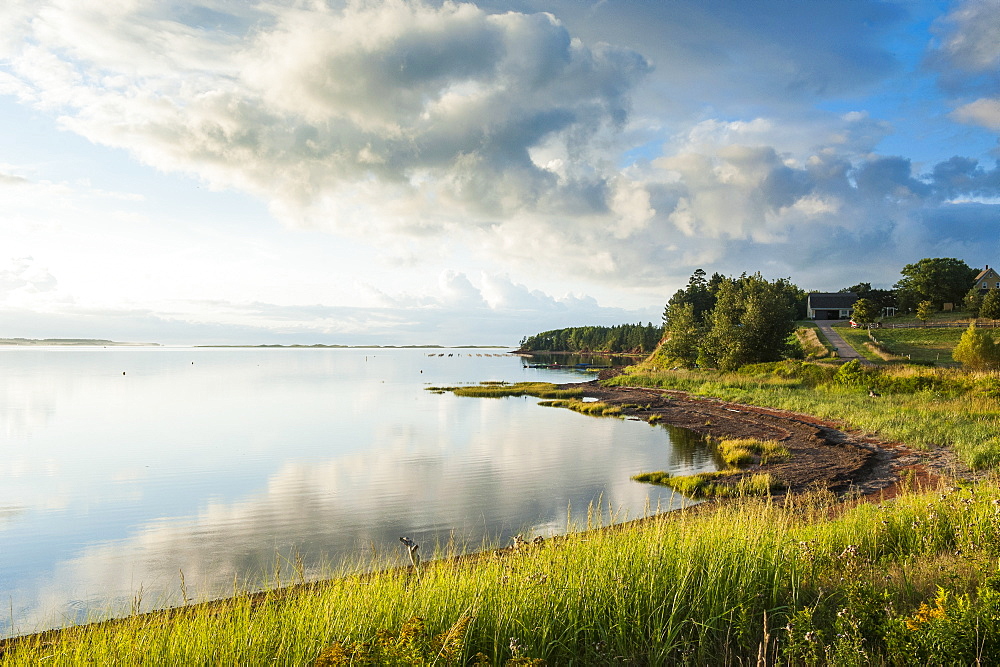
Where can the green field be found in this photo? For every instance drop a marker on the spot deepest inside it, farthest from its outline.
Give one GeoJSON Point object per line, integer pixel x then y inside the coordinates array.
{"type": "Point", "coordinates": [917, 343]}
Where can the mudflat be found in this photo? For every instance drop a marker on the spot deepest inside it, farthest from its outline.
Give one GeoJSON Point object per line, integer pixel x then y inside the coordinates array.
{"type": "Point", "coordinates": [824, 455]}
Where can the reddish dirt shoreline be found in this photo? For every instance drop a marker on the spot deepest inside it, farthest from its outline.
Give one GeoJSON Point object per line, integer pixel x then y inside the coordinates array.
{"type": "Point", "coordinates": [825, 455]}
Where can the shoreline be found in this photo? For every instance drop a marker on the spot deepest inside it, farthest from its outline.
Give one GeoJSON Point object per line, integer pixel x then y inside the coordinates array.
{"type": "Point", "coordinates": [856, 467]}
{"type": "Point", "coordinates": [825, 454]}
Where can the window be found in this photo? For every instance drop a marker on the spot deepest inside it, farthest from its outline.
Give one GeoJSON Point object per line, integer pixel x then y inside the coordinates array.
{"type": "Point", "coordinates": [985, 285]}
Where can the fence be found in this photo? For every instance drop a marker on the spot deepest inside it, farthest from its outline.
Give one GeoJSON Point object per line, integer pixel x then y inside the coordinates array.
{"type": "Point", "coordinates": [991, 324]}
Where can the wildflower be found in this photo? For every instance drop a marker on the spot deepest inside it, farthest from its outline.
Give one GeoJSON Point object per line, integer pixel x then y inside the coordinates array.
{"type": "Point", "coordinates": [810, 636]}
{"type": "Point", "coordinates": [850, 551]}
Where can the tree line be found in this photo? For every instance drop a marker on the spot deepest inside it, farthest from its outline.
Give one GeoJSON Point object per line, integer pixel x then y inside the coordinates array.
{"type": "Point", "coordinates": [623, 338]}
{"type": "Point", "coordinates": [926, 287]}
{"type": "Point", "coordinates": [727, 322]}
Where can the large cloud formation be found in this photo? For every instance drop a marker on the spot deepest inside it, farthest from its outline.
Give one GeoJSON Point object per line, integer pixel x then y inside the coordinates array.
{"type": "Point", "coordinates": [318, 108]}
{"type": "Point", "coordinates": [504, 127]}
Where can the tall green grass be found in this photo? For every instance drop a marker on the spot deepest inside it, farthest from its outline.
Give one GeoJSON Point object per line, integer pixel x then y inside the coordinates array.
{"type": "Point", "coordinates": [750, 580]}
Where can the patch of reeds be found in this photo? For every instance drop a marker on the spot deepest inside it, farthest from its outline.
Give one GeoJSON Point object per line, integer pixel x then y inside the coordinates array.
{"type": "Point", "coordinates": [718, 484]}
{"type": "Point", "coordinates": [592, 408]}
{"type": "Point", "coordinates": [911, 581]}
{"type": "Point", "coordinates": [658, 477]}
{"type": "Point", "coordinates": [498, 389]}
{"type": "Point", "coordinates": [741, 451]}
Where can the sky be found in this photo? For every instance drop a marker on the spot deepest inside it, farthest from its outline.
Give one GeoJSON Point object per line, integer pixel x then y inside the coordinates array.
{"type": "Point", "coordinates": [425, 172]}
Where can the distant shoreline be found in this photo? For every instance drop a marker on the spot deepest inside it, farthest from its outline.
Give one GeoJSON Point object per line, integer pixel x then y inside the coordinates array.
{"type": "Point", "coordinates": [99, 342]}
{"type": "Point", "coordinates": [370, 347]}
{"type": "Point", "coordinates": [70, 342]}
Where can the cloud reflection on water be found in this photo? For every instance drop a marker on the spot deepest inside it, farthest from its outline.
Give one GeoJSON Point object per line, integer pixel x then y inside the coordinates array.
{"type": "Point", "coordinates": [452, 468]}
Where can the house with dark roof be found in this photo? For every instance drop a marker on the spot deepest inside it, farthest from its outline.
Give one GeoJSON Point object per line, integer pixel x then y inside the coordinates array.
{"type": "Point", "coordinates": [987, 279]}
{"type": "Point", "coordinates": [830, 306]}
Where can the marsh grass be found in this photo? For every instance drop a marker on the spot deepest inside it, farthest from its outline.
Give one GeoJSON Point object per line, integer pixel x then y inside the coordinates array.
{"type": "Point", "coordinates": [713, 484]}
{"type": "Point", "coordinates": [592, 408]}
{"type": "Point", "coordinates": [911, 581]}
{"type": "Point", "coordinates": [499, 389]}
{"type": "Point", "coordinates": [699, 485]}
{"type": "Point", "coordinates": [741, 451]}
{"type": "Point", "coordinates": [730, 482]}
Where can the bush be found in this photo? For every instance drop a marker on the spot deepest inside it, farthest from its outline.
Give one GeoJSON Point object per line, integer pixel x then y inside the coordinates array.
{"type": "Point", "coordinates": [977, 350]}
{"type": "Point", "coordinates": [853, 374]}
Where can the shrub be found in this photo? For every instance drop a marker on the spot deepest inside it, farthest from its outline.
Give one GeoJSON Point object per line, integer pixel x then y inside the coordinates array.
{"type": "Point", "coordinates": [977, 350]}
{"type": "Point", "coordinates": [853, 374]}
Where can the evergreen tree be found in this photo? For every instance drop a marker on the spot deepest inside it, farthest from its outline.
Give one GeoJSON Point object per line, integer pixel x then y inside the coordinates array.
{"type": "Point", "coordinates": [697, 293]}
{"type": "Point", "coordinates": [861, 289]}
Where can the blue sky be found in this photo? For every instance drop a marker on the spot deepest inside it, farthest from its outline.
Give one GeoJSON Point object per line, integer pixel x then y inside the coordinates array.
{"type": "Point", "coordinates": [444, 172]}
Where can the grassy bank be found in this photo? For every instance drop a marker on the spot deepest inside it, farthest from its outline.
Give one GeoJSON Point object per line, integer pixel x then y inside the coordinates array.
{"type": "Point", "coordinates": [923, 407]}
{"type": "Point", "coordinates": [913, 581]}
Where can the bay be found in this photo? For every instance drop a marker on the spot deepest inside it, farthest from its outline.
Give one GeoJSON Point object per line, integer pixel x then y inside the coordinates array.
{"type": "Point", "coordinates": [131, 478]}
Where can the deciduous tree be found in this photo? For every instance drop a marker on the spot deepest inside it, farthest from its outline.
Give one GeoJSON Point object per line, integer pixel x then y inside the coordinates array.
{"type": "Point", "coordinates": [973, 301]}
{"type": "Point", "coordinates": [990, 308]}
{"type": "Point", "coordinates": [866, 311]}
{"type": "Point", "coordinates": [684, 334]}
{"type": "Point", "coordinates": [977, 350]}
{"type": "Point", "coordinates": [940, 280]}
{"type": "Point", "coordinates": [750, 323]}
{"type": "Point", "coordinates": [925, 310]}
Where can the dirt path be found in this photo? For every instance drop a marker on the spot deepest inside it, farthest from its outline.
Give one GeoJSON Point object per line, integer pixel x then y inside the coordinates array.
{"type": "Point", "coordinates": [824, 455]}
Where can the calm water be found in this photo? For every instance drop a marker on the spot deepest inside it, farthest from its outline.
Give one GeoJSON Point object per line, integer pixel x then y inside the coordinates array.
{"type": "Point", "coordinates": [122, 467]}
